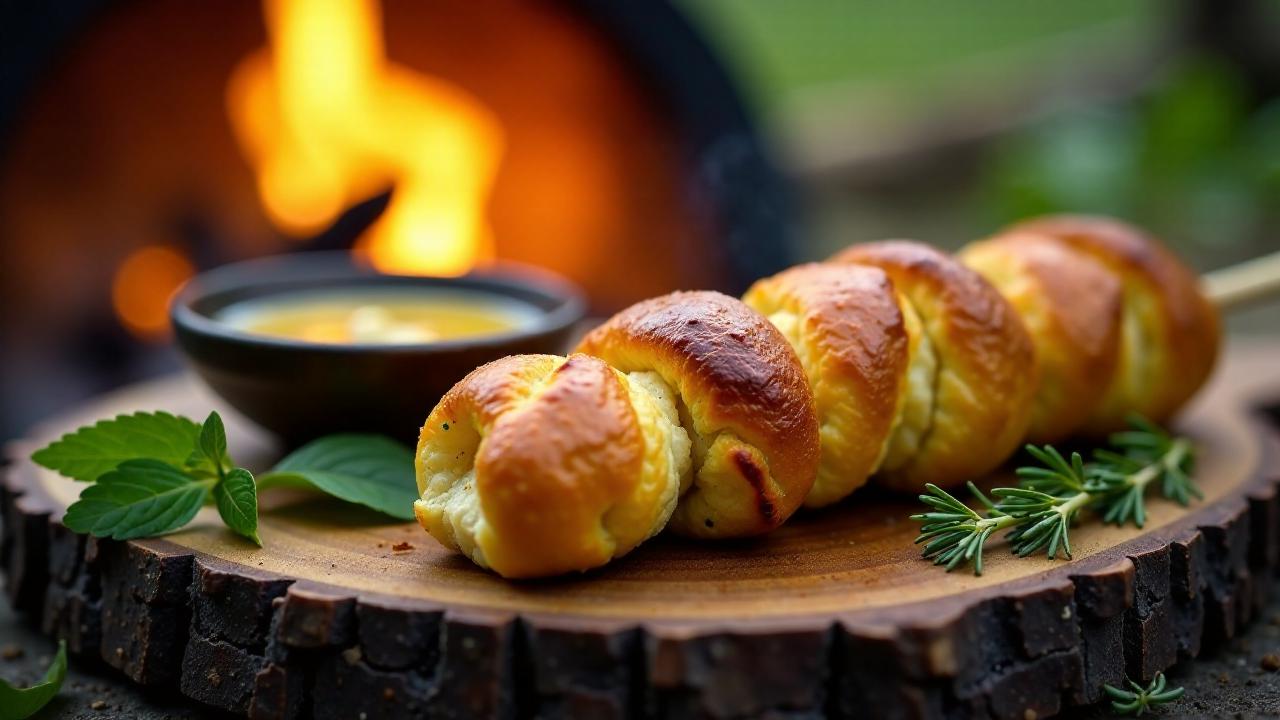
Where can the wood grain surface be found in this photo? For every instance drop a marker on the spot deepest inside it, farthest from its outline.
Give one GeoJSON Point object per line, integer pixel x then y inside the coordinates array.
{"type": "Point", "coordinates": [834, 614]}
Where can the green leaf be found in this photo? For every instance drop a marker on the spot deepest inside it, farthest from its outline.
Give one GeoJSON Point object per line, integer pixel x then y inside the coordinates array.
{"type": "Point", "coordinates": [141, 498]}
{"type": "Point", "coordinates": [371, 470]}
{"type": "Point", "coordinates": [213, 441]}
{"type": "Point", "coordinates": [19, 703]}
{"type": "Point", "coordinates": [93, 450]}
{"type": "Point", "coordinates": [237, 500]}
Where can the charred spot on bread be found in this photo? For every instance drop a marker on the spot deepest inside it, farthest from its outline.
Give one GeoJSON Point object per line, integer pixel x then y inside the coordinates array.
{"type": "Point", "coordinates": [756, 478]}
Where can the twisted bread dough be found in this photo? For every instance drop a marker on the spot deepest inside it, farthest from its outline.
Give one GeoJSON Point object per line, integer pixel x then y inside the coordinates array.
{"type": "Point", "coordinates": [1071, 305]}
{"type": "Point", "coordinates": [893, 361]}
{"type": "Point", "coordinates": [986, 366]}
{"type": "Point", "coordinates": [538, 465]}
{"type": "Point", "coordinates": [742, 397]}
{"type": "Point", "coordinates": [856, 348]}
{"type": "Point", "coordinates": [1169, 330]}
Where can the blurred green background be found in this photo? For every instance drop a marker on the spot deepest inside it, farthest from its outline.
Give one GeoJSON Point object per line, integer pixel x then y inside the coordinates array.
{"type": "Point", "coordinates": [943, 121]}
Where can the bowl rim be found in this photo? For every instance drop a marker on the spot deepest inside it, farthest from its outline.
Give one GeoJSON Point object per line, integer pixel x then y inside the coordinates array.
{"type": "Point", "coordinates": [568, 305]}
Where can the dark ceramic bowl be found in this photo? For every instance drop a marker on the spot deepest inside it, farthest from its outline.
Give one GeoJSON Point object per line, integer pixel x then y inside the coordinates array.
{"type": "Point", "coordinates": [302, 390]}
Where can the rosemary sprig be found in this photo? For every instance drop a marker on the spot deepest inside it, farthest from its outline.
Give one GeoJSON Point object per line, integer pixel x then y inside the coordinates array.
{"type": "Point", "coordinates": [1142, 456]}
{"type": "Point", "coordinates": [1140, 699]}
{"type": "Point", "coordinates": [955, 532]}
{"type": "Point", "coordinates": [1051, 496]}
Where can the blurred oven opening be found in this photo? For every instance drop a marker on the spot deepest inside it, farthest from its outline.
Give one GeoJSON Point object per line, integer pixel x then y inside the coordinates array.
{"type": "Point", "coordinates": [143, 141]}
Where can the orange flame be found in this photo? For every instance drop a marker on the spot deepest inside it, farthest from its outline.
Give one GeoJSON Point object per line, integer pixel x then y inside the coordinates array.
{"type": "Point", "coordinates": [328, 121]}
{"type": "Point", "coordinates": [142, 287]}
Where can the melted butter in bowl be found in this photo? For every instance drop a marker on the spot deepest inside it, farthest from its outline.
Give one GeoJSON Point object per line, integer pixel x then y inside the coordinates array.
{"type": "Point", "coordinates": [316, 343]}
{"type": "Point", "coordinates": [389, 317]}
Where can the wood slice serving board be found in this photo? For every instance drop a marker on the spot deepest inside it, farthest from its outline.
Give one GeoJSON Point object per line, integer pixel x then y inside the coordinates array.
{"type": "Point", "coordinates": [344, 615]}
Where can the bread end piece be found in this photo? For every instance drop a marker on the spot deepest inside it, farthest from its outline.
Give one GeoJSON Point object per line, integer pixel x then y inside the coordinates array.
{"type": "Point", "coordinates": [537, 465]}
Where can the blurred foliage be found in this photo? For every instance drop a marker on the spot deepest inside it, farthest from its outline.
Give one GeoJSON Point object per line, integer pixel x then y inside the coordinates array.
{"type": "Point", "coordinates": [781, 47]}
{"type": "Point", "coordinates": [1188, 159]}
{"type": "Point", "coordinates": [1194, 155]}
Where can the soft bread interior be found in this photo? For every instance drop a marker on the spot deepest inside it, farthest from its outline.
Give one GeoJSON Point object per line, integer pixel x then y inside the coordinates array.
{"type": "Point", "coordinates": [914, 415]}
{"type": "Point", "coordinates": [694, 441]}
{"type": "Point", "coordinates": [711, 487]}
{"type": "Point", "coordinates": [1131, 385]}
{"type": "Point", "coordinates": [667, 468]}
{"type": "Point", "coordinates": [449, 507]}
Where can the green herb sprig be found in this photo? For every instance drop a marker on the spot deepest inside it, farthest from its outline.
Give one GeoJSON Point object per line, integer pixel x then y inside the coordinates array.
{"type": "Point", "coordinates": [1138, 700]}
{"type": "Point", "coordinates": [152, 472]}
{"type": "Point", "coordinates": [1051, 496]}
{"type": "Point", "coordinates": [21, 703]}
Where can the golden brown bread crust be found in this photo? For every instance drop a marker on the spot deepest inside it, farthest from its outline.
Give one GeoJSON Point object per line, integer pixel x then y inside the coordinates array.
{"type": "Point", "coordinates": [1070, 304]}
{"type": "Point", "coordinates": [847, 330]}
{"type": "Point", "coordinates": [987, 372]}
{"type": "Point", "coordinates": [744, 401]}
{"type": "Point", "coordinates": [1172, 330]}
{"type": "Point", "coordinates": [536, 465]}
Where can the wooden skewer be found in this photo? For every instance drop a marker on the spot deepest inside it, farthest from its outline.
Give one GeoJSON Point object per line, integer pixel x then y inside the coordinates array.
{"type": "Point", "coordinates": [1244, 283]}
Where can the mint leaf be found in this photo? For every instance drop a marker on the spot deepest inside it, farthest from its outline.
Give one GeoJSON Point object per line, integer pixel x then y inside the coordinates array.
{"type": "Point", "coordinates": [198, 466]}
{"type": "Point", "coordinates": [213, 441]}
{"type": "Point", "coordinates": [370, 470]}
{"type": "Point", "coordinates": [237, 500]}
{"type": "Point", "coordinates": [140, 498]}
{"type": "Point", "coordinates": [93, 450]}
{"type": "Point", "coordinates": [19, 703]}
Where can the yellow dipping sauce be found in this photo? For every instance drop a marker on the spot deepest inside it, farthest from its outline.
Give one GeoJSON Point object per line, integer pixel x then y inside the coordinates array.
{"type": "Point", "coordinates": [379, 316]}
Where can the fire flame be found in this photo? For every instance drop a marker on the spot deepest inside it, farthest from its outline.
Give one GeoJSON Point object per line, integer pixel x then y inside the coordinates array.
{"type": "Point", "coordinates": [327, 121]}
{"type": "Point", "coordinates": [143, 285]}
